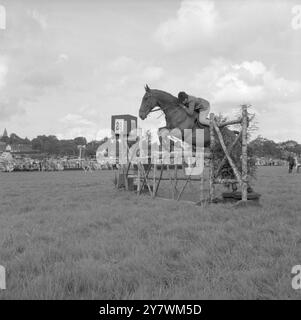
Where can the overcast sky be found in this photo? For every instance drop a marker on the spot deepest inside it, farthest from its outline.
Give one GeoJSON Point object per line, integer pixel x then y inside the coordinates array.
{"type": "Point", "coordinates": [67, 66]}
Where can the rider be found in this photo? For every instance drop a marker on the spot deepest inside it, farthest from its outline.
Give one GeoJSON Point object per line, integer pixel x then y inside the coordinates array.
{"type": "Point", "coordinates": [192, 104]}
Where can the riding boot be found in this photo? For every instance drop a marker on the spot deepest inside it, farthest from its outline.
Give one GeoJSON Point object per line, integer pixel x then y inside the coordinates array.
{"type": "Point", "coordinates": [200, 124]}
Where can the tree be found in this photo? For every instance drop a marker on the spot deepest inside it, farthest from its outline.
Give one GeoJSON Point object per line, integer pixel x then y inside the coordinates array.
{"type": "Point", "coordinates": [265, 148]}
{"type": "Point", "coordinates": [80, 141]}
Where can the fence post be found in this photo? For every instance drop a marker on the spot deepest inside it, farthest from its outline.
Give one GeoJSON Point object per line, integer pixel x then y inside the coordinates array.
{"type": "Point", "coordinates": [244, 154]}
{"type": "Point", "coordinates": [211, 169]}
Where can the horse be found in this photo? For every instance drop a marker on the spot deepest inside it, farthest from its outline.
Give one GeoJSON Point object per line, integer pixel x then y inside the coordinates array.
{"type": "Point", "coordinates": [176, 117]}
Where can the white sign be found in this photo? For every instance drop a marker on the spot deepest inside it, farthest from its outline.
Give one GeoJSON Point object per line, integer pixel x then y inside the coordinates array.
{"type": "Point", "coordinates": [133, 132]}
{"type": "Point", "coordinates": [2, 278]}
{"type": "Point", "coordinates": [119, 126]}
{"type": "Point", "coordinates": [296, 281]}
{"type": "Point", "coordinates": [133, 124]}
{"type": "Point", "coordinates": [2, 18]}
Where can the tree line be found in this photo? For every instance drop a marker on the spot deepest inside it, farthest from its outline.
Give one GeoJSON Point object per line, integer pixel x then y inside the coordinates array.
{"type": "Point", "coordinates": [263, 147]}
{"type": "Point", "coordinates": [51, 145]}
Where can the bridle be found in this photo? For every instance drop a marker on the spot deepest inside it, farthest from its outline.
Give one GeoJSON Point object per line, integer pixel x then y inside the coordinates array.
{"type": "Point", "coordinates": [157, 109]}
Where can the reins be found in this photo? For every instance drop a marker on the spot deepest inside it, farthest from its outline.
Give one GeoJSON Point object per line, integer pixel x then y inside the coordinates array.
{"type": "Point", "coordinates": [154, 110]}
{"type": "Point", "coordinates": [158, 109]}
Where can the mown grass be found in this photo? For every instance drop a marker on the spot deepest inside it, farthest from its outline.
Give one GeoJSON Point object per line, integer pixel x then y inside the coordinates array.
{"type": "Point", "coordinates": [71, 235]}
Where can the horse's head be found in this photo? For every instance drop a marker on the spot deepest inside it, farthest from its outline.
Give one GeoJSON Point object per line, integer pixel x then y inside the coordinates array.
{"type": "Point", "coordinates": [149, 102]}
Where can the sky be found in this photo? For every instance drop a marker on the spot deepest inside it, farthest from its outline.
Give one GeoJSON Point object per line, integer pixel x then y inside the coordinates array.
{"type": "Point", "coordinates": [67, 66]}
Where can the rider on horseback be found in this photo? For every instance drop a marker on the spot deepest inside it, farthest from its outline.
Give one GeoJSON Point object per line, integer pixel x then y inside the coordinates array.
{"type": "Point", "coordinates": [192, 104]}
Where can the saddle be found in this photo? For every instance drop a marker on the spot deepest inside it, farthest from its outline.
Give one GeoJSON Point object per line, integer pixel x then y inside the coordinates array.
{"type": "Point", "coordinates": [200, 125]}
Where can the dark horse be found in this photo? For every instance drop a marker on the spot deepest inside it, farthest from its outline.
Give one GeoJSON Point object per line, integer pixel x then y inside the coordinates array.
{"type": "Point", "coordinates": [176, 116]}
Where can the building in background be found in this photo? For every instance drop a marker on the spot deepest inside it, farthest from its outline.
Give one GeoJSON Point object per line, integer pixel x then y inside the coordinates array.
{"type": "Point", "coordinates": [15, 144]}
{"type": "Point", "coordinates": [2, 146]}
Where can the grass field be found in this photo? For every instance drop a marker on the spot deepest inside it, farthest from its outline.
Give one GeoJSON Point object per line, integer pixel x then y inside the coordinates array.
{"type": "Point", "coordinates": [71, 235]}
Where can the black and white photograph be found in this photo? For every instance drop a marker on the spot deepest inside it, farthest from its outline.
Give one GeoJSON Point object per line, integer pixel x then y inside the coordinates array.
{"type": "Point", "coordinates": [150, 151]}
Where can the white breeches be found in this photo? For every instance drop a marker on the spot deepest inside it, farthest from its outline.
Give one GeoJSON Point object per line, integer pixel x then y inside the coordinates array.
{"type": "Point", "coordinates": [203, 116]}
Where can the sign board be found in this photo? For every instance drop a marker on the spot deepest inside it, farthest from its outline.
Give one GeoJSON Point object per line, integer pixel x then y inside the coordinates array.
{"type": "Point", "coordinates": [123, 124]}
{"type": "Point", "coordinates": [119, 126]}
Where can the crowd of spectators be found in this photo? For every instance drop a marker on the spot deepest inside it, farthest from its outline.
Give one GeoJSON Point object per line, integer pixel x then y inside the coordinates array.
{"type": "Point", "coordinates": [52, 164]}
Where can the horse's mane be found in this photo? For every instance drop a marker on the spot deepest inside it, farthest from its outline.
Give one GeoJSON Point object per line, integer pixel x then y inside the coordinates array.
{"type": "Point", "coordinates": [166, 95]}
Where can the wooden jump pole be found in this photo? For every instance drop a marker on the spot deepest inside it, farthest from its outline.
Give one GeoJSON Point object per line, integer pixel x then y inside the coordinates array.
{"type": "Point", "coordinates": [227, 153]}
{"type": "Point", "coordinates": [154, 178]}
{"type": "Point", "coordinates": [241, 178]}
{"type": "Point", "coordinates": [220, 166]}
{"type": "Point", "coordinates": [244, 154]}
{"type": "Point", "coordinates": [211, 168]}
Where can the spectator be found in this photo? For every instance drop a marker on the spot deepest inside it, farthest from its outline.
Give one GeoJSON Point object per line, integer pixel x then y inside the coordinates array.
{"type": "Point", "coordinates": [291, 163]}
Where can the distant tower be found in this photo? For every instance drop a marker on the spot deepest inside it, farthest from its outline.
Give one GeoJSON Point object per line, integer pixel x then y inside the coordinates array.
{"type": "Point", "coordinates": [5, 137]}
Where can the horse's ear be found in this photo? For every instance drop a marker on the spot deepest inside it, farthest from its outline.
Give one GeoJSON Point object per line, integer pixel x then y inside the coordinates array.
{"type": "Point", "coordinates": [147, 89]}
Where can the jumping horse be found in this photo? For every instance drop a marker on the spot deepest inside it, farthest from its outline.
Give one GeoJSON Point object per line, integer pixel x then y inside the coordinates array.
{"type": "Point", "coordinates": [175, 116]}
